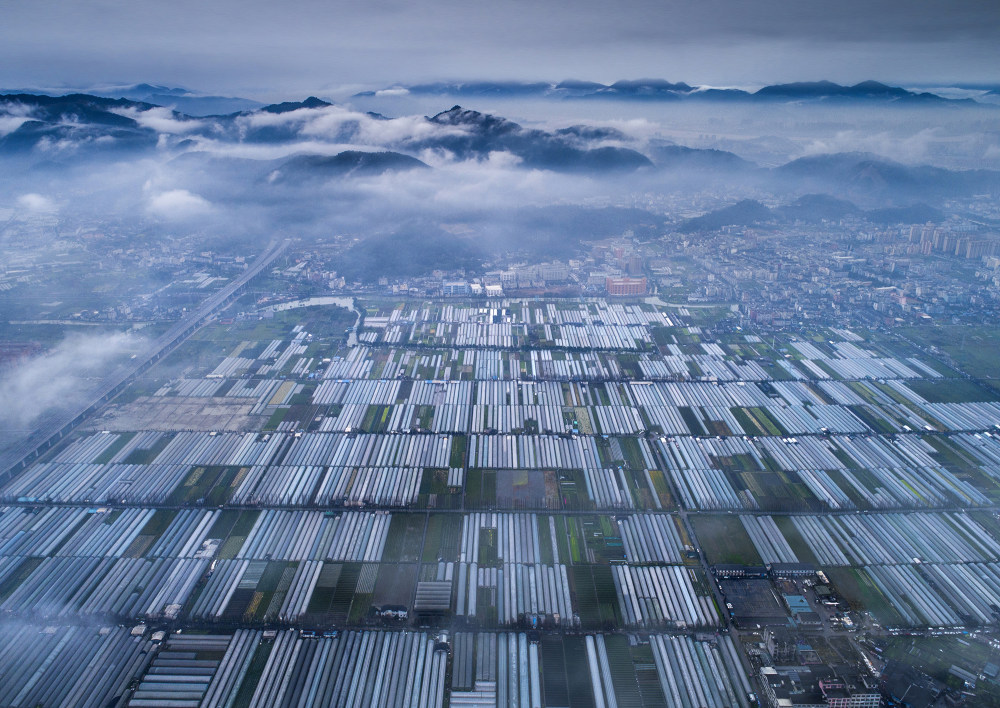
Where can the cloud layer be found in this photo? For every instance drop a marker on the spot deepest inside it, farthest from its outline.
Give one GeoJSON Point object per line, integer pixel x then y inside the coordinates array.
{"type": "Point", "coordinates": [178, 205]}
{"type": "Point", "coordinates": [58, 379]}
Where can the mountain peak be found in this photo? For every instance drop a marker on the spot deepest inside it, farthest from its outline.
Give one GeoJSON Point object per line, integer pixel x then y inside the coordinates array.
{"type": "Point", "coordinates": [649, 85]}
{"type": "Point", "coordinates": [801, 88]}
{"type": "Point", "coordinates": [161, 90]}
{"type": "Point", "coordinates": [828, 89]}
{"type": "Point", "coordinates": [456, 115]}
{"type": "Point", "coordinates": [575, 84]}
{"type": "Point", "coordinates": [289, 106]}
{"type": "Point", "coordinates": [871, 85]}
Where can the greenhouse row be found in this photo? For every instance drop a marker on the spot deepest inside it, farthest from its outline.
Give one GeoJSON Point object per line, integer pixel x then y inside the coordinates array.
{"type": "Point", "coordinates": [519, 592]}
{"type": "Point", "coordinates": [938, 595]}
{"type": "Point", "coordinates": [353, 669]}
{"type": "Point", "coordinates": [531, 312]}
{"type": "Point", "coordinates": [86, 667]}
{"type": "Point", "coordinates": [768, 540]}
{"type": "Point", "coordinates": [541, 451]}
{"type": "Point", "coordinates": [302, 485]}
{"type": "Point", "coordinates": [651, 538]}
{"type": "Point", "coordinates": [103, 587]}
{"type": "Point", "coordinates": [890, 539]}
{"type": "Point", "coordinates": [341, 450]}
{"type": "Point", "coordinates": [179, 676]}
{"type": "Point", "coordinates": [517, 537]}
{"type": "Point", "coordinates": [694, 673]}
{"type": "Point", "coordinates": [662, 596]}
{"type": "Point", "coordinates": [316, 535]}
{"type": "Point", "coordinates": [341, 469]}
{"type": "Point", "coordinates": [68, 666]}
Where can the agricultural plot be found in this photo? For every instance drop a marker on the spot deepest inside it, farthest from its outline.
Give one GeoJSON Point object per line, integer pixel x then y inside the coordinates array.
{"type": "Point", "coordinates": [896, 539]}
{"type": "Point", "coordinates": [544, 472]}
{"type": "Point", "coordinates": [835, 472]}
{"type": "Point", "coordinates": [506, 669]}
{"type": "Point", "coordinates": [78, 666]}
{"type": "Point", "coordinates": [410, 668]}
{"type": "Point", "coordinates": [851, 360]}
{"type": "Point", "coordinates": [724, 539]}
{"type": "Point", "coordinates": [670, 596]}
{"type": "Point", "coordinates": [915, 569]}
{"type": "Point", "coordinates": [512, 324]}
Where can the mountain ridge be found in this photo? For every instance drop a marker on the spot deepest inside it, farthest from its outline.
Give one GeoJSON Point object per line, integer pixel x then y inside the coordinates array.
{"type": "Point", "coordinates": [656, 89]}
{"type": "Point", "coordinates": [808, 208]}
{"type": "Point", "coordinates": [75, 125]}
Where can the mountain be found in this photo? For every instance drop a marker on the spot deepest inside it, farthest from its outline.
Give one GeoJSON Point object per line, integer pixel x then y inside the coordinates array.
{"type": "Point", "coordinates": [181, 100]}
{"type": "Point", "coordinates": [823, 89]}
{"type": "Point", "coordinates": [640, 89]}
{"type": "Point", "coordinates": [344, 164]}
{"type": "Point", "coordinates": [747, 212]}
{"type": "Point", "coordinates": [137, 92]}
{"type": "Point", "coordinates": [299, 170]}
{"type": "Point", "coordinates": [591, 132]}
{"type": "Point", "coordinates": [827, 90]}
{"type": "Point", "coordinates": [60, 129]}
{"type": "Point", "coordinates": [816, 208]}
{"type": "Point", "coordinates": [496, 89]}
{"type": "Point", "coordinates": [242, 126]}
{"type": "Point", "coordinates": [289, 106]}
{"type": "Point", "coordinates": [200, 106]}
{"type": "Point", "coordinates": [873, 176]}
{"type": "Point", "coordinates": [76, 121]}
{"type": "Point", "coordinates": [551, 226]}
{"type": "Point", "coordinates": [680, 157]}
{"type": "Point", "coordinates": [663, 90]}
{"type": "Point", "coordinates": [718, 94]}
{"type": "Point", "coordinates": [414, 250]}
{"type": "Point", "coordinates": [482, 134]}
{"type": "Point", "coordinates": [645, 89]}
{"type": "Point", "coordinates": [422, 246]}
{"type": "Point", "coordinates": [484, 125]}
{"type": "Point", "coordinates": [91, 124]}
{"type": "Point", "coordinates": [575, 85]}
{"type": "Point", "coordinates": [85, 108]}
{"type": "Point", "coordinates": [809, 208]}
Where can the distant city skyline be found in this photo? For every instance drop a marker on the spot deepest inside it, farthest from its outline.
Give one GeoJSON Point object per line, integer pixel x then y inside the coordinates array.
{"type": "Point", "coordinates": [257, 48]}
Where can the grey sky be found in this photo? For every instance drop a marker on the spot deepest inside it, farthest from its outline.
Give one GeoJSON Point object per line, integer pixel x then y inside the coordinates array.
{"type": "Point", "coordinates": [273, 48]}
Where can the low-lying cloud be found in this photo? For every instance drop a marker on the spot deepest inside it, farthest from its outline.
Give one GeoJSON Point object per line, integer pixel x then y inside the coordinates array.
{"type": "Point", "coordinates": [14, 115]}
{"type": "Point", "coordinates": [178, 204]}
{"type": "Point", "coordinates": [36, 203]}
{"type": "Point", "coordinates": [163, 120]}
{"type": "Point", "coordinates": [59, 379]}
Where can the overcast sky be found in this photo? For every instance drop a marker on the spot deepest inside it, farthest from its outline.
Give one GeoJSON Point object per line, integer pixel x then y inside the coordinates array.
{"type": "Point", "coordinates": [253, 47]}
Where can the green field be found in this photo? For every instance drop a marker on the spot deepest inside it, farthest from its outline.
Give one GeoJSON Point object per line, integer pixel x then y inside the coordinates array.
{"type": "Point", "coordinates": [973, 349]}
{"type": "Point", "coordinates": [723, 539]}
{"type": "Point", "coordinates": [951, 391]}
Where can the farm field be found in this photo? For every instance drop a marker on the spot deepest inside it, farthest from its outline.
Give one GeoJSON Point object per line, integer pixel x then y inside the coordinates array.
{"type": "Point", "coordinates": [288, 497]}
